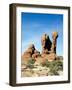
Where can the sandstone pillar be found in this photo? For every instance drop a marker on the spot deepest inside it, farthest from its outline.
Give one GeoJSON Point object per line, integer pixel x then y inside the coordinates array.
{"type": "Point", "coordinates": [54, 42]}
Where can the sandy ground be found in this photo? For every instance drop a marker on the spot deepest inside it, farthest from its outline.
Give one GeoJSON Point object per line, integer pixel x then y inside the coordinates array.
{"type": "Point", "coordinates": [36, 71]}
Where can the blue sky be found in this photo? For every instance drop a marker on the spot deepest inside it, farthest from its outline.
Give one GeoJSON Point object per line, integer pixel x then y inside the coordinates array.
{"type": "Point", "coordinates": [34, 25]}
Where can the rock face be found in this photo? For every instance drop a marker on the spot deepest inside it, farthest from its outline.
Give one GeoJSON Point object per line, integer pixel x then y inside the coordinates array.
{"type": "Point", "coordinates": [31, 52]}
{"type": "Point", "coordinates": [48, 49]}
{"type": "Point", "coordinates": [46, 44]}
{"type": "Point", "coordinates": [54, 37]}
{"type": "Point", "coordinates": [36, 54]}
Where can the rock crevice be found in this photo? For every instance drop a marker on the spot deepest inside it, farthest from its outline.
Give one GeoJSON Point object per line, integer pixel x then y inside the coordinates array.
{"type": "Point", "coordinates": [48, 49]}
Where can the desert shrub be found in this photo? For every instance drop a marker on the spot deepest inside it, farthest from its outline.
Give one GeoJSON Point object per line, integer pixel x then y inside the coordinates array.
{"type": "Point", "coordinates": [30, 63]}
{"type": "Point", "coordinates": [45, 63]}
{"type": "Point", "coordinates": [54, 66]}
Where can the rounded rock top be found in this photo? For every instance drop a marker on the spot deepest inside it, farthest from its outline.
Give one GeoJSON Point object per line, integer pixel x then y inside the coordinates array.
{"type": "Point", "coordinates": [55, 34]}
{"type": "Point", "coordinates": [45, 36]}
{"type": "Point", "coordinates": [31, 46]}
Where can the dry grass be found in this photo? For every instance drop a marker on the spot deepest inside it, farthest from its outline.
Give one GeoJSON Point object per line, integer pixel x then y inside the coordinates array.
{"type": "Point", "coordinates": [37, 68]}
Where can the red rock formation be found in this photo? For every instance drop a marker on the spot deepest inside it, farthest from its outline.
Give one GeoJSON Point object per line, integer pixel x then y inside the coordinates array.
{"type": "Point", "coordinates": [31, 52]}
{"type": "Point", "coordinates": [48, 49]}
{"type": "Point", "coordinates": [54, 42]}
{"type": "Point", "coordinates": [36, 54]}
{"type": "Point", "coordinates": [46, 44]}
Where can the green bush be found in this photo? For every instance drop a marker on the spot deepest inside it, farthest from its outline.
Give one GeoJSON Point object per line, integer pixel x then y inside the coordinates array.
{"type": "Point", "coordinates": [46, 63]}
{"type": "Point", "coordinates": [30, 63]}
{"type": "Point", "coordinates": [54, 66]}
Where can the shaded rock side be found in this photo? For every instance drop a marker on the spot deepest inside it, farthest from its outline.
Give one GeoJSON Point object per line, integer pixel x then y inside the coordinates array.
{"type": "Point", "coordinates": [30, 53]}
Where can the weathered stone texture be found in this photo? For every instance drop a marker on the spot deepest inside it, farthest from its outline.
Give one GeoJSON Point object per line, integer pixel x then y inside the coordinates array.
{"type": "Point", "coordinates": [48, 49]}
